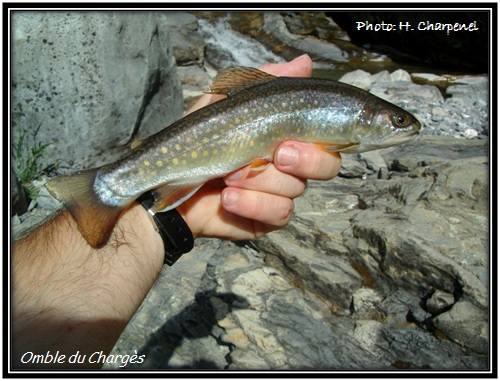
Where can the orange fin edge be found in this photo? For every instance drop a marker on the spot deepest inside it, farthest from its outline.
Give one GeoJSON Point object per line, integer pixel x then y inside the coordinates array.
{"type": "Point", "coordinates": [259, 165]}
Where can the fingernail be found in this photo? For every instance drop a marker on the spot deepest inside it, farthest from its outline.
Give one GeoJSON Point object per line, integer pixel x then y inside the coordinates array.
{"type": "Point", "coordinates": [287, 156]}
{"type": "Point", "coordinates": [229, 197]}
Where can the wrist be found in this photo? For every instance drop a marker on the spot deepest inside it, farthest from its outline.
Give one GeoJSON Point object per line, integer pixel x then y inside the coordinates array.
{"type": "Point", "coordinates": [139, 224]}
{"type": "Point", "coordinates": [175, 233]}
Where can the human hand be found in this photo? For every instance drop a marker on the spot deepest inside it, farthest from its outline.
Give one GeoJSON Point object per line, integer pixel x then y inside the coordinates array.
{"type": "Point", "coordinates": [247, 205]}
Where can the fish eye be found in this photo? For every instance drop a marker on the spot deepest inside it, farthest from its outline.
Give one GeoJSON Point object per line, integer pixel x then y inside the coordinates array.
{"type": "Point", "coordinates": [401, 120]}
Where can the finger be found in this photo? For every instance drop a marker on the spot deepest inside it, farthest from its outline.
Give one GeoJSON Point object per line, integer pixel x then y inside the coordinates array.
{"type": "Point", "coordinates": [307, 161]}
{"type": "Point", "coordinates": [269, 180]}
{"type": "Point", "coordinates": [299, 67]}
{"type": "Point", "coordinates": [205, 100]}
{"type": "Point", "coordinates": [262, 207]}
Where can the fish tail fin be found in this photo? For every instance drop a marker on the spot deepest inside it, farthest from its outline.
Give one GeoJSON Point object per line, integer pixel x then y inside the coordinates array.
{"type": "Point", "coordinates": [95, 220]}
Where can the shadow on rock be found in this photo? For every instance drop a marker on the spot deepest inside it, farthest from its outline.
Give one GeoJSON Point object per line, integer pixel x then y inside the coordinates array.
{"type": "Point", "coordinates": [167, 346]}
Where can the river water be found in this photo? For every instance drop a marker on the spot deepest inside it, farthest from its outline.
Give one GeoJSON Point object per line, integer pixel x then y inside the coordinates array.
{"type": "Point", "coordinates": [227, 47]}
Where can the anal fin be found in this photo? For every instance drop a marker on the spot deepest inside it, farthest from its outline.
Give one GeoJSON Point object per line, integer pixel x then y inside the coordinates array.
{"type": "Point", "coordinates": [170, 196]}
{"type": "Point", "coordinates": [137, 143]}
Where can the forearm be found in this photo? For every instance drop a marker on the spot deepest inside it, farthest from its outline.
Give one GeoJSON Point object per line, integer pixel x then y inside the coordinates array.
{"type": "Point", "coordinates": [68, 297]}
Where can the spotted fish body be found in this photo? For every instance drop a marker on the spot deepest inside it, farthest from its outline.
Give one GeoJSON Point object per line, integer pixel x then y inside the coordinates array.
{"type": "Point", "coordinates": [260, 112]}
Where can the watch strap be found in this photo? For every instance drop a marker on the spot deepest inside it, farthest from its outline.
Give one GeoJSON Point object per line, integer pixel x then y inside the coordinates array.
{"type": "Point", "coordinates": [176, 234]}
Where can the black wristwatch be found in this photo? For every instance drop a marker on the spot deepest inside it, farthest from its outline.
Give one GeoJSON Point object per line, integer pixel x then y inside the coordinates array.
{"type": "Point", "coordinates": [176, 235]}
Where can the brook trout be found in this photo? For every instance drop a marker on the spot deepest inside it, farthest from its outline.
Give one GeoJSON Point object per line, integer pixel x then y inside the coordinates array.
{"type": "Point", "coordinates": [260, 112]}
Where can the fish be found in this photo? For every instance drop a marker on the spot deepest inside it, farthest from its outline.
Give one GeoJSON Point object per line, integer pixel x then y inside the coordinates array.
{"type": "Point", "coordinates": [260, 111]}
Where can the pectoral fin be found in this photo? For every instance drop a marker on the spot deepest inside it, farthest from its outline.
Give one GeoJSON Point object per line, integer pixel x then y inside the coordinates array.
{"type": "Point", "coordinates": [331, 148]}
{"type": "Point", "coordinates": [259, 165]}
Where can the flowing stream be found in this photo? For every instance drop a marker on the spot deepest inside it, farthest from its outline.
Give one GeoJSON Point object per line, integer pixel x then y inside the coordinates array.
{"type": "Point", "coordinates": [230, 48]}
{"type": "Point", "coordinates": [227, 47]}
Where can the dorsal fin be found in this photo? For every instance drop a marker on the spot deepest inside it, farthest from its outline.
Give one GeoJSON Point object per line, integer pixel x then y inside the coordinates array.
{"type": "Point", "coordinates": [234, 79]}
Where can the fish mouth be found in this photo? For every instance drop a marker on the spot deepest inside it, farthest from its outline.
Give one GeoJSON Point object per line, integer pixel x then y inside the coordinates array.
{"type": "Point", "coordinates": [402, 138]}
{"type": "Point", "coordinates": [408, 137]}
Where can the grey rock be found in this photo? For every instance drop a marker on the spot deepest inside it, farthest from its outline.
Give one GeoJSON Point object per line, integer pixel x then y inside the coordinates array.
{"type": "Point", "coordinates": [401, 308]}
{"type": "Point", "coordinates": [194, 76]}
{"type": "Point", "coordinates": [46, 201]}
{"type": "Point", "coordinates": [276, 26]}
{"type": "Point", "coordinates": [381, 77]}
{"type": "Point", "coordinates": [195, 81]}
{"type": "Point", "coordinates": [466, 325]}
{"type": "Point", "coordinates": [313, 24]}
{"type": "Point", "coordinates": [93, 80]}
{"type": "Point", "coordinates": [400, 75]}
{"type": "Point", "coordinates": [400, 92]}
{"type": "Point", "coordinates": [345, 284]}
{"type": "Point", "coordinates": [358, 78]}
{"type": "Point", "coordinates": [188, 45]}
{"type": "Point", "coordinates": [469, 133]}
{"type": "Point", "coordinates": [352, 168]}
{"type": "Point", "coordinates": [439, 301]}
{"type": "Point", "coordinates": [467, 84]}
{"type": "Point", "coordinates": [18, 197]}
{"type": "Point", "coordinates": [374, 161]}
{"type": "Point", "coordinates": [365, 299]}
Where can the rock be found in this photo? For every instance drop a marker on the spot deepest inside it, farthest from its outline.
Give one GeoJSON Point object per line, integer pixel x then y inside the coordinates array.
{"type": "Point", "coordinates": [313, 23]}
{"type": "Point", "coordinates": [18, 197]}
{"type": "Point", "coordinates": [275, 25]}
{"type": "Point", "coordinates": [470, 133]}
{"type": "Point", "coordinates": [374, 161]}
{"type": "Point", "coordinates": [381, 77]}
{"type": "Point", "coordinates": [365, 299]}
{"type": "Point", "coordinates": [400, 75]}
{"type": "Point", "coordinates": [45, 200]}
{"type": "Point", "coordinates": [466, 84]}
{"type": "Point", "coordinates": [401, 308]}
{"type": "Point", "coordinates": [346, 284]}
{"type": "Point", "coordinates": [188, 45]}
{"type": "Point", "coordinates": [352, 168]}
{"type": "Point", "coordinates": [93, 81]}
{"type": "Point", "coordinates": [403, 92]}
{"type": "Point", "coordinates": [358, 78]}
{"type": "Point", "coordinates": [195, 81]}
{"type": "Point", "coordinates": [194, 76]}
{"type": "Point", "coordinates": [466, 325]}
{"type": "Point", "coordinates": [439, 301]}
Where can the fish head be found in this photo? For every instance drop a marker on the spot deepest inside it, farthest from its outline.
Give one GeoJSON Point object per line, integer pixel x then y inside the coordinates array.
{"type": "Point", "coordinates": [382, 124]}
